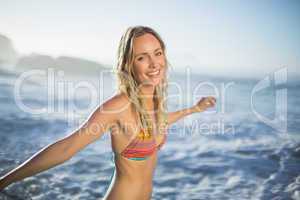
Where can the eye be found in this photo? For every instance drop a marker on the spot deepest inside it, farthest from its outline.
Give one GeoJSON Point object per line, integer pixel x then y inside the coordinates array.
{"type": "Point", "coordinates": [159, 53]}
{"type": "Point", "coordinates": [140, 58]}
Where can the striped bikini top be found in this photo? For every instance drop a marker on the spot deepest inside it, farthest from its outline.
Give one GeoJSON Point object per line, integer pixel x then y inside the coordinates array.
{"type": "Point", "coordinates": [141, 147]}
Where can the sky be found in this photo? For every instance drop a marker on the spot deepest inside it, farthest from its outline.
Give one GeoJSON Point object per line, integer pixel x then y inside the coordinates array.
{"type": "Point", "coordinates": [230, 38]}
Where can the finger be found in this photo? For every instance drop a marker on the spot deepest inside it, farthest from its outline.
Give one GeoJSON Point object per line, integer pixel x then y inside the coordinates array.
{"type": "Point", "coordinates": [212, 98]}
{"type": "Point", "coordinates": [215, 100]}
{"type": "Point", "coordinates": [212, 102]}
{"type": "Point", "coordinates": [207, 101]}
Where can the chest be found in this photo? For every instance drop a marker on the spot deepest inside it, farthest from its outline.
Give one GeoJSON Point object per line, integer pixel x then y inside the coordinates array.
{"type": "Point", "coordinates": [128, 128]}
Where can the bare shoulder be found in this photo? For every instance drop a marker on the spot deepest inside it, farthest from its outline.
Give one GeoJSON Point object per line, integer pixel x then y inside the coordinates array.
{"type": "Point", "coordinates": [99, 122]}
{"type": "Point", "coordinates": [111, 110]}
{"type": "Point", "coordinates": [118, 104]}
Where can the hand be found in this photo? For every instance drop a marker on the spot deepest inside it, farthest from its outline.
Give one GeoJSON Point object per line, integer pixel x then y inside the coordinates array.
{"type": "Point", "coordinates": [204, 103]}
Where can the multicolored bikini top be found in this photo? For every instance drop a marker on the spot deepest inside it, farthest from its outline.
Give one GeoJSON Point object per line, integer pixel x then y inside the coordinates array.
{"type": "Point", "coordinates": [142, 146]}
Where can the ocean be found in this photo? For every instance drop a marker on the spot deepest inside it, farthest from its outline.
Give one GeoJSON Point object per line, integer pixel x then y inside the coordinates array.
{"type": "Point", "coordinates": [247, 147]}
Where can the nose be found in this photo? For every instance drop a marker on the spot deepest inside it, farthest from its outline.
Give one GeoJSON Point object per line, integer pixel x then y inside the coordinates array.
{"type": "Point", "coordinates": [153, 63]}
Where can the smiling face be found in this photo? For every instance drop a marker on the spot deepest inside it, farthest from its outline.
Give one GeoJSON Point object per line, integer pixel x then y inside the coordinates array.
{"type": "Point", "coordinates": [141, 71]}
{"type": "Point", "coordinates": [149, 60]}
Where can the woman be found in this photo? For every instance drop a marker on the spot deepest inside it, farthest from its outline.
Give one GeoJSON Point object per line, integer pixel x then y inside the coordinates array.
{"type": "Point", "coordinates": [136, 117]}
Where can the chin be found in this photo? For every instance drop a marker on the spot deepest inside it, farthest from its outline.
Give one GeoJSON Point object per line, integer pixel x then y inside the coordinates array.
{"type": "Point", "coordinates": [155, 82]}
{"type": "Point", "coordinates": [151, 82]}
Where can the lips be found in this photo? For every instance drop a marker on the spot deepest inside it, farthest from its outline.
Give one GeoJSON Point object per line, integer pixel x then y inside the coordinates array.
{"type": "Point", "coordinates": [154, 73]}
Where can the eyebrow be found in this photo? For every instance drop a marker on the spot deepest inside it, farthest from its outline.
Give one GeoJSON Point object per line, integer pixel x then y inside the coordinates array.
{"type": "Point", "coordinates": [144, 53]}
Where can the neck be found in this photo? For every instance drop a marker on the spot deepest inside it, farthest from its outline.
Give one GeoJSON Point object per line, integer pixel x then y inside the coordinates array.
{"type": "Point", "coordinates": [147, 94]}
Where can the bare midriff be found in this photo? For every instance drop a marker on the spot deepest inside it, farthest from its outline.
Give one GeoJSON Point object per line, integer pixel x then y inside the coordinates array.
{"type": "Point", "coordinates": [132, 179]}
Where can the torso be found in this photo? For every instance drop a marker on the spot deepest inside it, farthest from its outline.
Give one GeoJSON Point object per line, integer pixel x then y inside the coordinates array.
{"type": "Point", "coordinates": [132, 179]}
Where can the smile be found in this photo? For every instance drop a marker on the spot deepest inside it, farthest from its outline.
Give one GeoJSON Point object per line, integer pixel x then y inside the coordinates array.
{"type": "Point", "coordinates": [155, 73]}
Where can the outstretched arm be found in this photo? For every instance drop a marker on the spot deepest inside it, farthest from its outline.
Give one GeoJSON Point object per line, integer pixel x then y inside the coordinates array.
{"type": "Point", "coordinates": [201, 106]}
{"type": "Point", "coordinates": [63, 149]}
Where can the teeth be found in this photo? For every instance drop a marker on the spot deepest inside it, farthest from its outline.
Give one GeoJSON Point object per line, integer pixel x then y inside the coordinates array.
{"type": "Point", "coordinates": [154, 73]}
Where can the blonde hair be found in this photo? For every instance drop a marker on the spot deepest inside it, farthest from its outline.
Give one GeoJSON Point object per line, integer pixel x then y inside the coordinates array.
{"type": "Point", "coordinates": [128, 83]}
